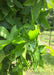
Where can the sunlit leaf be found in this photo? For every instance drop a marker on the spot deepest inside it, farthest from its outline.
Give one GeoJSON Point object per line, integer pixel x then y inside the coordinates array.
{"type": "Point", "coordinates": [51, 50]}
{"type": "Point", "coordinates": [33, 33]}
{"type": "Point", "coordinates": [3, 43]}
{"type": "Point", "coordinates": [4, 32]}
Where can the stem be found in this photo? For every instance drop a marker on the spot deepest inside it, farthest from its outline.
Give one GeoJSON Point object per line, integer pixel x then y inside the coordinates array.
{"type": "Point", "coordinates": [32, 17]}
{"type": "Point", "coordinates": [37, 41]}
{"type": "Point", "coordinates": [36, 44]}
{"type": "Point", "coordinates": [50, 38]}
{"type": "Point", "coordinates": [24, 55]}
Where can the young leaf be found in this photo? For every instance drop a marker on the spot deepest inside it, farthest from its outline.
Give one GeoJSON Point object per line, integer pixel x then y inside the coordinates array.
{"type": "Point", "coordinates": [33, 33]}
{"type": "Point", "coordinates": [50, 3]}
{"type": "Point", "coordinates": [51, 50]}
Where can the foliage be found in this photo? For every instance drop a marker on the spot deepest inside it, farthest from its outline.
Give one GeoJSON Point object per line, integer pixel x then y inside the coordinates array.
{"type": "Point", "coordinates": [19, 32]}
{"type": "Point", "coordinates": [50, 18]}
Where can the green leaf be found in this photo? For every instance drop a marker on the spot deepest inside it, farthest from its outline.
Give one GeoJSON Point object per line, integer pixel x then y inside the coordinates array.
{"type": "Point", "coordinates": [3, 43]}
{"type": "Point", "coordinates": [19, 49]}
{"type": "Point", "coordinates": [43, 22]}
{"type": "Point", "coordinates": [18, 40]}
{"type": "Point", "coordinates": [36, 58]}
{"type": "Point", "coordinates": [17, 22]}
{"type": "Point", "coordinates": [50, 3]}
{"type": "Point", "coordinates": [13, 33]}
{"type": "Point", "coordinates": [5, 24]}
{"type": "Point", "coordinates": [33, 33]}
{"type": "Point", "coordinates": [42, 49]}
{"type": "Point", "coordinates": [34, 67]}
{"type": "Point", "coordinates": [10, 19]}
{"type": "Point", "coordinates": [18, 4]}
{"type": "Point", "coordinates": [5, 10]}
{"type": "Point", "coordinates": [3, 32]}
{"type": "Point", "coordinates": [24, 60]}
{"type": "Point", "coordinates": [37, 55]}
{"type": "Point", "coordinates": [0, 66]}
{"type": "Point", "coordinates": [15, 69]}
{"type": "Point", "coordinates": [51, 50]}
{"type": "Point", "coordinates": [29, 2]}
{"type": "Point", "coordinates": [41, 61]}
{"type": "Point", "coordinates": [44, 13]}
{"type": "Point", "coordinates": [10, 3]}
{"type": "Point", "coordinates": [36, 10]}
{"type": "Point", "coordinates": [2, 55]}
{"type": "Point", "coordinates": [1, 16]}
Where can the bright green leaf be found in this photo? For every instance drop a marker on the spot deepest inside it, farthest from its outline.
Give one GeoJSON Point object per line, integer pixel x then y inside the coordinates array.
{"type": "Point", "coordinates": [33, 33]}
{"type": "Point", "coordinates": [51, 50]}
{"type": "Point", "coordinates": [3, 43]}
{"type": "Point", "coordinates": [4, 32]}
{"type": "Point", "coordinates": [18, 40]}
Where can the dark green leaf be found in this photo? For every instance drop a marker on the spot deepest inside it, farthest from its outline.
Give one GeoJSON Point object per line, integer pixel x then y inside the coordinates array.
{"type": "Point", "coordinates": [2, 55]}
{"type": "Point", "coordinates": [29, 2]}
{"type": "Point", "coordinates": [5, 10]}
{"type": "Point", "coordinates": [43, 22]}
{"type": "Point", "coordinates": [1, 16]}
{"type": "Point", "coordinates": [36, 10]}
{"type": "Point", "coordinates": [42, 49]}
{"type": "Point", "coordinates": [19, 49]}
{"type": "Point", "coordinates": [18, 4]}
{"type": "Point", "coordinates": [10, 19]}
{"type": "Point", "coordinates": [10, 3]}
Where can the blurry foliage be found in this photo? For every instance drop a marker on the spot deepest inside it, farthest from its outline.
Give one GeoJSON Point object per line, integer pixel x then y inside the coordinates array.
{"type": "Point", "coordinates": [19, 29]}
